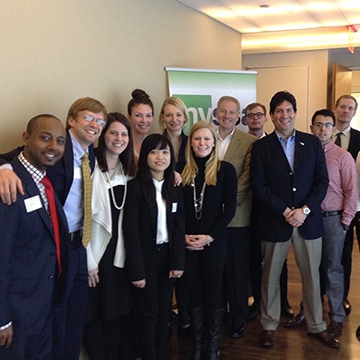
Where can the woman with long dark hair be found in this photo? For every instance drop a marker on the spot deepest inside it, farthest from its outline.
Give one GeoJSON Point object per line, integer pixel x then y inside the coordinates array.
{"type": "Point", "coordinates": [106, 329]}
{"type": "Point", "coordinates": [155, 242]}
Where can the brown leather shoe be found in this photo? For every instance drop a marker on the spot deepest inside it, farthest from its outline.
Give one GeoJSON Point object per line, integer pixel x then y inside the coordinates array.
{"type": "Point", "coordinates": [326, 339]}
{"type": "Point", "coordinates": [296, 322]}
{"type": "Point", "coordinates": [335, 329]}
{"type": "Point", "coordinates": [267, 338]}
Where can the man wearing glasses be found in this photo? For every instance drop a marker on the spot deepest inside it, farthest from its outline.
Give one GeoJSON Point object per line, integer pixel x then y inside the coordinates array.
{"type": "Point", "coordinates": [349, 139]}
{"type": "Point", "coordinates": [85, 120]}
{"type": "Point", "coordinates": [255, 119]}
{"type": "Point", "coordinates": [338, 209]}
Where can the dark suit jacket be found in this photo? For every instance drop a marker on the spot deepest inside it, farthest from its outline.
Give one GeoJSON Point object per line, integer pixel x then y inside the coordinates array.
{"type": "Point", "coordinates": [277, 187]}
{"type": "Point", "coordinates": [354, 144]}
{"type": "Point", "coordinates": [61, 174]}
{"type": "Point", "coordinates": [140, 227]}
{"type": "Point", "coordinates": [29, 280]}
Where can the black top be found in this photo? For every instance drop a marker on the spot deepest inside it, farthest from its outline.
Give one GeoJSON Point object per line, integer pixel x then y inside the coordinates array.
{"type": "Point", "coordinates": [219, 203]}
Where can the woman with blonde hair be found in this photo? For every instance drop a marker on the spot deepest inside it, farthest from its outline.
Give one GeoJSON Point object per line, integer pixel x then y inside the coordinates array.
{"type": "Point", "coordinates": [173, 116]}
{"type": "Point", "coordinates": [210, 188]}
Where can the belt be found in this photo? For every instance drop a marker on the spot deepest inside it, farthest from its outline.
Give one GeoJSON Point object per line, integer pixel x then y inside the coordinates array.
{"type": "Point", "coordinates": [331, 213]}
{"type": "Point", "coordinates": [76, 235]}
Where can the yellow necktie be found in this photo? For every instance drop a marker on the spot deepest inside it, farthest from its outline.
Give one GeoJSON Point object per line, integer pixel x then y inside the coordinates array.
{"type": "Point", "coordinates": [87, 184]}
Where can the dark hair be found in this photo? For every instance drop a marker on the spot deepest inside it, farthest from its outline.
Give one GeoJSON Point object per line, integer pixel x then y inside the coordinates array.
{"type": "Point", "coordinates": [127, 156]}
{"type": "Point", "coordinates": [31, 125]}
{"type": "Point", "coordinates": [151, 142]}
{"type": "Point", "coordinates": [279, 98]}
{"type": "Point", "coordinates": [346, 97]}
{"type": "Point", "coordinates": [323, 112]}
{"type": "Point", "coordinates": [139, 97]}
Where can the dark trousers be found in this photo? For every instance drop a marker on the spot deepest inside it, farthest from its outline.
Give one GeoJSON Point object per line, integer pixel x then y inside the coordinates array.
{"type": "Point", "coordinates": [153, 306]}
{"type": "Point", "coordinates": [109, 340]}
{"type": "Point", "coordinates": [347, 251]}
{"type": "Point", "coordinates": [237, 273]}
{"type": "Point", "coordinates": [31, 347]}
{"type": "Point", "coordinates": [204, 271]}
{"type": "Point", "coordinates": [71, 316]}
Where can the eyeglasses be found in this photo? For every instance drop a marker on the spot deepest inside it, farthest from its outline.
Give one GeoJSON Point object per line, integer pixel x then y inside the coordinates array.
{"type": "Point", "coordinates": [327, 125]}
{"type": "Point", "coordinates": [257, 115]}
{"type": "Point", "coordinates": [90, 118]}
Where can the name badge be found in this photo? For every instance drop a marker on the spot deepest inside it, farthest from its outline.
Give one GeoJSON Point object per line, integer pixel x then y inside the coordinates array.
{"type": "Point", "coordinates": [174, 207]}
{"type": "Point", "coordinates": [33, 203]}
{"type": "Point", "coordinates": [77, 173]}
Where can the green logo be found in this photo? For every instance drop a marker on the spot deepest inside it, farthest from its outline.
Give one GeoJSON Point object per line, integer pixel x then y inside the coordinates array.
{"type": "Point", "coordinates": [199, 108]}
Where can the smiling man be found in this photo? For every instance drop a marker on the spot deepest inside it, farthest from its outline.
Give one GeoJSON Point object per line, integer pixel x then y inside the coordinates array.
{"type": "Point", "coordinates": [85, 121]}
{"type": "Point", "coordinates": [235, 147]}
{"type": "Point", "coordinates": [33, 248]}
{"type": "Point", "coordinates": [289, 180]}
{"type": "Point", "coordinates": [338, 210]}
{"type": "Point", "coordinates": [349, 139]}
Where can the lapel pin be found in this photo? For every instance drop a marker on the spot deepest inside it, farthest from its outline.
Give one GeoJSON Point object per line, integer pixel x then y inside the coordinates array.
{"type": "Point", "coordinates": [301, 143]}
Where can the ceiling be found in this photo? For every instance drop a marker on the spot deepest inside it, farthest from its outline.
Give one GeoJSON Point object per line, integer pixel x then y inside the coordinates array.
{"type": "Point", "coordinates": [291, 25]}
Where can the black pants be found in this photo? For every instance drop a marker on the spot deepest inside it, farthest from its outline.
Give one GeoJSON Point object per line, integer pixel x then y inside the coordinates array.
{"type": "Point", "coordinates": [237, 273]}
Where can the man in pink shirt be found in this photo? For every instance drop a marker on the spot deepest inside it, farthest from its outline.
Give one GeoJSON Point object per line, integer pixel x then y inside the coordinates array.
{"type": "Point", "coordinates": [338, 210]}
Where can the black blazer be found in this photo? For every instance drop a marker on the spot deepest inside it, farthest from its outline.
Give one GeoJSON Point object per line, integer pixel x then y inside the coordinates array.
{"type": "Point", "coordinates": [29, 280]}
{"type": "Point", "coordinates": [140, 228]}
{"type": "Point", "coordinates": [354, 144]}
{"type": "Point", "coordinates": [61, 174]}
{"type": "Point", "coordinates": [275, 186]}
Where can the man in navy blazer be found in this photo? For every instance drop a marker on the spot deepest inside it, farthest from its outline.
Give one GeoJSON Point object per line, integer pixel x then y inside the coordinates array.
{"type": "Point", "coordinates": [85, 121]}
{"type": "Point", "coordinates": [289, 179]}
{"type": "Point", "coordinates": [349, 139]}
{"type": "Point", "coordinates": [32, 278]}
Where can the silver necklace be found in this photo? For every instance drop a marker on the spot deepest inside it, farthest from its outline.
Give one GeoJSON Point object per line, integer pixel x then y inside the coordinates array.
{"type": "Point", "coordinates": [198, 203]}
{"type": "Point", "coordinates": [112, 190]}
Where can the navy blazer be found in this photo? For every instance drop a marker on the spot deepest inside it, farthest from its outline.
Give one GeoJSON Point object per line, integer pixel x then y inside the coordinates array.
{"type": "Point", "coordinates": [354, 144]}
{"type": "Point", "coordinates": [29, 280]}
{"type": "Point", "coordinates": [276, 187]}
{"type": "Point", "coordinates": [140, 228]}
{"type": "Point", "coordinates": [61, 174]}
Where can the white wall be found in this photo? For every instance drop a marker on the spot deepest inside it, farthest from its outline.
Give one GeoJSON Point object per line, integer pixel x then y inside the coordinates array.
{"type": "Point", "coordinates": [316, 91]}
{"type": "Point", "coordinates": [53, 52]}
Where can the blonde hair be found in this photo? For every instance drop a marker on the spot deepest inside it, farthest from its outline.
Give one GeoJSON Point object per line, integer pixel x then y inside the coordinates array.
{"type": "Point", "coordinates": [177, 103]}
{"type": "Point", "coordinates": [212, 166]}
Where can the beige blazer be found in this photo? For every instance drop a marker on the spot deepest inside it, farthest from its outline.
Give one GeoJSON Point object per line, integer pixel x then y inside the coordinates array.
{"type": "Point", "coordinates": [239, 155]}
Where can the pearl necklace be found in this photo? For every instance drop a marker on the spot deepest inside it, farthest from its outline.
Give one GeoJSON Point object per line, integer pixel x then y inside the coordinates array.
{"type": "Point", "coordinates": [198, 203]}
{"type": "Point", "coordinates": [112, 190]}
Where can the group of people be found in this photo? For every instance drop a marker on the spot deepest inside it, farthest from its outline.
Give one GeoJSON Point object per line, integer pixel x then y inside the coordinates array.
{"type": "Point", "coordinates": [95, 240]}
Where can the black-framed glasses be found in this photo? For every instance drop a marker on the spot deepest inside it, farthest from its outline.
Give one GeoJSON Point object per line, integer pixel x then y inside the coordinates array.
{"type": "Point", "coordinates": [90, 118]}
{"type": "Point", "coordinates": [258, 115]}
{"type": "Point", "coordinates": [327, 125]}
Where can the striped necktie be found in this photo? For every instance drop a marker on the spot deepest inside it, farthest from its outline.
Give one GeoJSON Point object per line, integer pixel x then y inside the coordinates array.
{"type": "Point", "coordinates": [338, 139]}
{"type": "Point", "coordinates": [87, 186]}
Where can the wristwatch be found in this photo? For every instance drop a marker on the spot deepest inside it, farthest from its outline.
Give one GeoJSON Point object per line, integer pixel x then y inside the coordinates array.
{"type": "Point", "coordinates": [306, 210]}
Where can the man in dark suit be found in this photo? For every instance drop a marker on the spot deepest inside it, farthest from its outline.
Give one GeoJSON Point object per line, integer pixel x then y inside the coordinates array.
{"type": "Point", "coordinates": [255, 119]}
{"type": "Point", "coordinates": [349, 139]}
{"type": "Point", "coordinates": [33, 259]}
{"type": "Point", "coordinates": [289, 179]}
{"type": "Point", "coordinates": [85, 121]}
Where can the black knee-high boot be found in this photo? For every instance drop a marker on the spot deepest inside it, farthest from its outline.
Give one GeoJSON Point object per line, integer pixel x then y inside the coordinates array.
{"type": "Point", "coordinates": [197, 324]}
{"type": "Point", "coordinates": [214, 320]}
